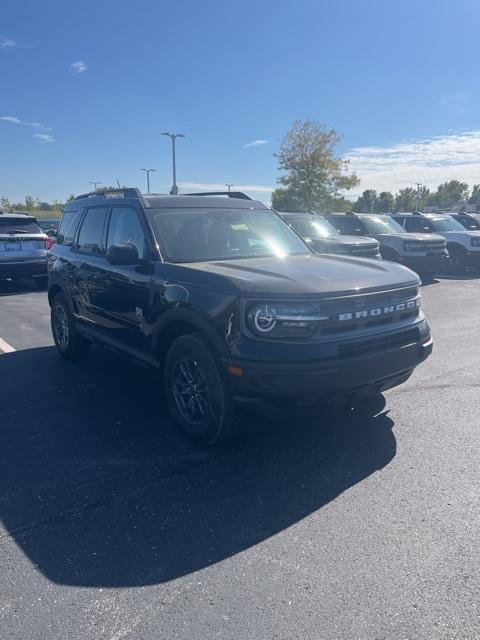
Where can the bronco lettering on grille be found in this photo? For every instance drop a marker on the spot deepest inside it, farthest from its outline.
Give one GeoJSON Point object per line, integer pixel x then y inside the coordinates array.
{"type": "Point", "coordinates": [380, 311]}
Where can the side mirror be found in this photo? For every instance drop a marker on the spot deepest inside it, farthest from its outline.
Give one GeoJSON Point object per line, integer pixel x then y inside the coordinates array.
{"type": "Point", "coordinates": [51, 233]}
{"type": "Point", "coordinates": [122, 254]}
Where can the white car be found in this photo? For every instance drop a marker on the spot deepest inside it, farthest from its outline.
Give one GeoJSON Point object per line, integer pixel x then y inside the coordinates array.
{"type": "Point", "coordinates": [463, 245]}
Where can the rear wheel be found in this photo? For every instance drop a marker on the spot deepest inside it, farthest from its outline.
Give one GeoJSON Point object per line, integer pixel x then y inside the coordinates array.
{"type": "Point", "coordinates": [197, 391]}
{"type": "Point", "coordinates": [70, 344]}
{"type": "Point", "coordinates": [458, 260]}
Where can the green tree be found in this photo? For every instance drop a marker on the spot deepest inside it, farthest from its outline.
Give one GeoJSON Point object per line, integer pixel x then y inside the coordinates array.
{"type": "Point", "coordinates": [475, 195]}
{"type": "Point", "coordinates": [366, 202]}
{"type": "Point", "coordinates": [384, 203]}
{"type": "Point", "coordinates": [29, 203]}
{"type": "Point", "coordinates": [284, 200]}
{"type": "Point", "coordinates": [313, 176]}
{"type": "Point", "coordinates": [449, 193]}
{"type": "Point", "coordinates": [406, 200]}
{"type": "Point", "coordinates": [5, 204]}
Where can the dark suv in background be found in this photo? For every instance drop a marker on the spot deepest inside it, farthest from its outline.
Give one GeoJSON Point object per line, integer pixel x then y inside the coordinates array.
{"type": "Point", "coordinates": [23, 248]}
{"type": "Point", "coordinates": [323, 238]}
{"type": "Point", "coordinates": [227, 301]}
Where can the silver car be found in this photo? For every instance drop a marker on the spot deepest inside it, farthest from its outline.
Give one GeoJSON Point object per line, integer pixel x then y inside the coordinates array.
{"type": "Point", "coordinates": [23, 248]}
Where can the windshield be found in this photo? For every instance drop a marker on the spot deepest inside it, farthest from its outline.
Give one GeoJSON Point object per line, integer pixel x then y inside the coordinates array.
{"type": "Point", "coordinates": [385, 225]}
{"type": "Point", "coordinates": [446, 224]}
{"type": "Point", "coordinates": [189, 235]}
{"type": "Point", "coordinates": [19, 225]}
{"type": "Point", "coordinates": [312, 227]}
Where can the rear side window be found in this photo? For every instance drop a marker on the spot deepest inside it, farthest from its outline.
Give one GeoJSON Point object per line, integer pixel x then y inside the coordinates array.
{"type": "Point", "coordinates": [19, 225]}
{"type": "Point", "coordinates": [348, 224]}
{"type": "Point", "coordinates": [67, 228]}
{"type": "Point", "coordinates": [90, 237]}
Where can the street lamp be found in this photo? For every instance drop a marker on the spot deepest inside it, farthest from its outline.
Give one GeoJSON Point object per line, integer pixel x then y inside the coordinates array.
{"type": "Point", "coordinates": [147, 171]}
{"type": "Point", "coordinates": [94, 184]}
{"type": "Point", "coordinates": [229, 187]}
{"type": "Point", "coordinates": [419, 185]}
{"type": "Point", "coordinates": [173, 136]}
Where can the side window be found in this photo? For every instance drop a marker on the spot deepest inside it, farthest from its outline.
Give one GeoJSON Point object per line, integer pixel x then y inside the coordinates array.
{"type": "Point", "coordinates": [125, 228]}
{"type": "Point", "coordinates": [90, 238]}
{"type": "Point", "coordinates": [68, 227]}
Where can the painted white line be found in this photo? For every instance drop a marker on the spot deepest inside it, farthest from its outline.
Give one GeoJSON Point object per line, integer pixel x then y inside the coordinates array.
{"type": "Point", "coordinates": [5, 347]}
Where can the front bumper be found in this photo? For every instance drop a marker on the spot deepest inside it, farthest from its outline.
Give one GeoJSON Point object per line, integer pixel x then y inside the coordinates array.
{"type": "Point", "coordinates": [430, 263]}
{"type": "Point", "coordinates": [23, 268]}
{"type": "Point", "coordinates": [370, 368]}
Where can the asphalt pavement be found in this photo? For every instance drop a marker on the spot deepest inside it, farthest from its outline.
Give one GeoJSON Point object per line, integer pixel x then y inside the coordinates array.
{"type": "Point", "coordinates": [333, 524]}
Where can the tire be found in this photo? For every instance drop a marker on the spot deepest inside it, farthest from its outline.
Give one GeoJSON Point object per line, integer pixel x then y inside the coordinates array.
{"type": "Point", "coordinates": [70, 344]}
{"type": "Point", "coordinates": [197, 391]}
{"type": "Point", "coordinates": [458, 260]}
{"type": "Point", "coordinates": [41, 282]}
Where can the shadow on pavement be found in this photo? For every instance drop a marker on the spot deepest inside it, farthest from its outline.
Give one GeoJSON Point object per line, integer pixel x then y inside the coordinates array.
{"type": "Point", "coordinates": [98, 489]}
{"type": "Point", "coordinates": [17, 287]}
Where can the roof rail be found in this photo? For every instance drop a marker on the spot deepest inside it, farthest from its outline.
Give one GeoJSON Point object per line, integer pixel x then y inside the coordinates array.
{"type": "Point", "coordinates": [127, 192]}
{"type": "Point", "coordinates": [229, 194]}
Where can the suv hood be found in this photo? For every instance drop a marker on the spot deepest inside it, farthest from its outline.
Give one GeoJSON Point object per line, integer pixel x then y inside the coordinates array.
{"type": "Point", "coordinates": [425, 237]}
{"type": "Point", "coordinates": [293, 276]}
{"type": "Point", "coordinates": [356, 241]}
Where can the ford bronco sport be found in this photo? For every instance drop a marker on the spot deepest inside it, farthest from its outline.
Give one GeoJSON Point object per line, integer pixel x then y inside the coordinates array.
{"type": "Point", "coordinates": [227, 301]}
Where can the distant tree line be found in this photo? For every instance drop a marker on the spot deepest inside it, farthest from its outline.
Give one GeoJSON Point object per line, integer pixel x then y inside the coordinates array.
{"type": "Point", "coordinates": [448, 194]}
{"type": "Point", "coordinates": [32, 205]}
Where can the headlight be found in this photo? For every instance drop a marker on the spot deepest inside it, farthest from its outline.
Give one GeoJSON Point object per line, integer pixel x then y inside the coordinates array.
{"type": "Point", "coordinates": [475, 242]}
{"type": "Point", "coordinates": [412, 245]}
{"type": "Point", "coordinates": [283, 320]}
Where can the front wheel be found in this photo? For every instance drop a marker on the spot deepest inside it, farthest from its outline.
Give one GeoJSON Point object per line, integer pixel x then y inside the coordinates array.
{"type": "Point", "coordinates": [70, 344]}
{"type": "Point", "coordinates": [197, 391]}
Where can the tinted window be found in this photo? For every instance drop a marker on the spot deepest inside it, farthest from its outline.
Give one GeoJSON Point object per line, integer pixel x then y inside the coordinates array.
{"type": "Point", "coordinates": [67, 228]}
{"type": "Point", "coordinates": [312, 227]}
{"type": "Point", "coordinates": [469, 223]}
{"type": "Point", "coordinates": [19, 225]}
{"type": "Point", "coordinates": [348, 224]}
{"type": "Point", "coordinates": [419, 225]}
{"type": "Point", "coordinates": [125, 228]}
{"type": "Point", "coordinates": [382, 225]}
{"type": "Point", "coordinates": [90, 238]}
{"type": "Point", "coordinates": [187, 235]}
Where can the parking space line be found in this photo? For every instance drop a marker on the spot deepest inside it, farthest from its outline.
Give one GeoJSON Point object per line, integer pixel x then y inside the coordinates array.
{"type": "Point", "coordinates": [5, 347]}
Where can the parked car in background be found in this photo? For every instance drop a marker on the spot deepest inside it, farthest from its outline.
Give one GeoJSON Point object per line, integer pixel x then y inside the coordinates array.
{"type": "Point", "coordinates": [323, 238]}
{"type": "Point", "coordinates": [23, 248]}
{"type": "Point", "coordinates": [425, 254]}
{"type": "Point", "coordinates": [49, 225]}
{"type": "Point", "coordinates": [463, 245]}
{"type": "Point", "coordinates": [471, 221]}
{"type": "Point", "coordinates": [224, 297]}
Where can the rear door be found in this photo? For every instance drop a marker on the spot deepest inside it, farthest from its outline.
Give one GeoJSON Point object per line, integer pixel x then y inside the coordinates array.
{"type": "Point", "coordinates": [89, 265]}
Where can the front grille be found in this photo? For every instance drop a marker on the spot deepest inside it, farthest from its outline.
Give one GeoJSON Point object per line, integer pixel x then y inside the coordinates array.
{"type": "Point", "coordinates": [434, 245]}
{"type": "Point", "coordinates": [352, 313]}
{"type": "Point", "coordinates": [379, 343]}
{"type": "Point", "coordinates": [365, 252]}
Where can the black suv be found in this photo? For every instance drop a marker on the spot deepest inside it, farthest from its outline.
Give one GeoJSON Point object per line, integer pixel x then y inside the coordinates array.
{"type": "Point", "coordinates": [225, 298]}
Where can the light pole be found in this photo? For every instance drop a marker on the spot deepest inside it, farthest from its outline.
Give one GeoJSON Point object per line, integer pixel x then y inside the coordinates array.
{"type": "Point", "coordinates": [94, 184]}
{"type": "Point", "coordinates": [173, 136]}
{"type": "Point", "coordinates": [147, 171]}
{"type": "Point", "coordinates": [229, 187]}
{"type": "Point", "coordinates": [419, 184]}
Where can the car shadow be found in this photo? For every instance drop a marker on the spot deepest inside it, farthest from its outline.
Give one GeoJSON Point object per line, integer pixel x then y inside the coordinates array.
{"type": "Point", "coordinates": [17, 287]}
{"type": "Point", "coordinates": [99, 489]}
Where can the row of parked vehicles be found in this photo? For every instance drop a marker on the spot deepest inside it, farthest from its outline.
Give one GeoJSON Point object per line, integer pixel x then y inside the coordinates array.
{"type": "Point", "coordinates": [232, 301]}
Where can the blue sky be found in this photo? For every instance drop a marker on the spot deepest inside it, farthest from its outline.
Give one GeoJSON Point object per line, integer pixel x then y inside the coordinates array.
{"type": "Point", "coordinates": [93, 85]}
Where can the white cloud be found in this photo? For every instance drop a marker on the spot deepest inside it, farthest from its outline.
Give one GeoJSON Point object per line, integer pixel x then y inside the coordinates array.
{"type": "Point", "coordinates": [213, 186]}
{"type": "Point", "coordinates": [44, 137]}
{"type": "Point", "coordinates": [453, 156]}
{"type": "Point", "coordinates": [35, 125]}
{"type": "Point", "coordinates": [11, 119]}
{"type": "Point", "coordinates": [6, 44]}
{"type": "Point", "coordinates": [255, 143]}
{"type": "Point", "coordinates": [79, 67]}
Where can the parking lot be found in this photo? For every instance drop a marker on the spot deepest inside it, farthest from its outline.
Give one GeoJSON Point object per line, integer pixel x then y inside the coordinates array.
{"type": "Point", "coordinates": [332, 523]}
